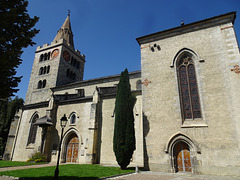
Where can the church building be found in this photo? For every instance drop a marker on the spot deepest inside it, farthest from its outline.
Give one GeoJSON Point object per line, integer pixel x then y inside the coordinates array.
{"type": "Point", "coordinates": [187, 113]}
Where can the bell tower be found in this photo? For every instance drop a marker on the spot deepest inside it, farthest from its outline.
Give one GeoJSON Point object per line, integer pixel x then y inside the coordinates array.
{"type": "Point", "coordinates": [55, 65]}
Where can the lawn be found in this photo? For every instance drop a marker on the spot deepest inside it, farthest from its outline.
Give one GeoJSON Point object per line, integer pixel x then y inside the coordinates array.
{"type": "Point", "coordinates": [66, 172]}
{"type": "Point", "coordinates": [14, 163]}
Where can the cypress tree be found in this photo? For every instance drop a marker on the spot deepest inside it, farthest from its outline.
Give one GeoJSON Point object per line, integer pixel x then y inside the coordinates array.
{"type": "Point", "coordinates": [124, 133]}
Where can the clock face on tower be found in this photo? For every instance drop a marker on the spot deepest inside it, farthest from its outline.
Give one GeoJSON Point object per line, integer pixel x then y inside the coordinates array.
{"type": "Point", "coordinates": [55, 53]}
{"type": "Point", "coordinates": [66, 55]}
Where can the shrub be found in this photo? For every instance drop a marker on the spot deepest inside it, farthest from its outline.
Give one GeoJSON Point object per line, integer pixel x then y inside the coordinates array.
{"type": "Point", "coordinates": [37, 157]}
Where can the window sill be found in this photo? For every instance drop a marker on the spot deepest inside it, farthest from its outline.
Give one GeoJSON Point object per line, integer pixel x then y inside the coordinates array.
{"type": "Point", "coordinates": [30, 146]}
{"type": "Point", "coordinates": [197, 123]}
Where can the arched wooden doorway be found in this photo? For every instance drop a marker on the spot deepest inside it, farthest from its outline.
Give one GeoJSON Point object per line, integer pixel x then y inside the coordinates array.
{"type": "Point", "coordinates": [72, 149]}
{"type": "Point", "coordinates": [182, 157]}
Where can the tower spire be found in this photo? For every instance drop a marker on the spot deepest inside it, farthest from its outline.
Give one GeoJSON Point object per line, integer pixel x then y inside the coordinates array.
{"type": "Point", "coordinates": [65, 32]}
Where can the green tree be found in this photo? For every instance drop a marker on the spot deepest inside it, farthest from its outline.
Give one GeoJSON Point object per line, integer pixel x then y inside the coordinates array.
{"type": "Point", "coordinates": [8, 109]}
{"type": "Point", "coordinates": [124, 133]}
{"type": "Point", "coordinates": [16, 32]}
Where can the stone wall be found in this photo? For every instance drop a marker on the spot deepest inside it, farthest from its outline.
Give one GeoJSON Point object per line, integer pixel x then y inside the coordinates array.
{"type": "Point", "coordinates": [58, 71]}
{"type": "Point", "coordinates": [94, 123]}
{"type": "Point", "coordinates": [89, 86]}
{"type": "Point", "coordinates": [216, 134]}
{"type": "Point", "coordinates": [108, 119]}
{"type": "Point", "coordinates": [22, 151]}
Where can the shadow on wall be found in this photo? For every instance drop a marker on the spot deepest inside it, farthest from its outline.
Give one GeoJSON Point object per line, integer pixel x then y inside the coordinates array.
{"type": "Point", "coordinates": [146, 129]}
{"type": "Point", "coordinates": [98, 133]}
{"type": "Point", "coordinates": [55, 139]}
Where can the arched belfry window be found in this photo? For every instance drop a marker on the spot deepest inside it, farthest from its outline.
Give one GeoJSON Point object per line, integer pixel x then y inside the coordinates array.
{"type": "Point", "coordinates": [44, 83]}
{"type": "Point", "coordinates": [41, 71]}
{"type": "Point", "coordinates": [188, 88]}
{"type": "Point", "coordinates": [33, 130]}
{"type": "Point", "coordinates": [48, 69]}
{"type": "Point", "coordinates": [39, 84]}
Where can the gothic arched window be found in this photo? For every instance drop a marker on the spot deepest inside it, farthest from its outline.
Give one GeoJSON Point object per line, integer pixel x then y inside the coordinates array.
{"type": "Point", "coordinates": [33, 130]}
{"type": "Point", "coordinates": [188, 89]}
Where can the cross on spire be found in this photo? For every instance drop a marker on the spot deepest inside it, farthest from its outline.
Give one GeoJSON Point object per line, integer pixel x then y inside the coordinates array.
{"type": "Point", "coordinates": [69, 12]}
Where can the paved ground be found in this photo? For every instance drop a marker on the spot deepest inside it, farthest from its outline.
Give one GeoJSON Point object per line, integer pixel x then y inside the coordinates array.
{"type": "Point", "coordinates": [25, 167]}
{"type": "Point", "coordinates": [143, 175]}
{"type": "Point", "coordinates": [148, 175]}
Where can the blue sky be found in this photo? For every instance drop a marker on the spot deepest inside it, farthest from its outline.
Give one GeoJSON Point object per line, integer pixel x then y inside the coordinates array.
{"type": "Point", "coordinates": [106, 30]}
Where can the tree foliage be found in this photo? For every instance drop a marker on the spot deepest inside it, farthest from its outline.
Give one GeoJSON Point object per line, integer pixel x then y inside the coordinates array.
{"type": "Point", "coordinates": [8, 109]}
{"type": "Point", "coordinates": [124, 133]}
{"type": "Point", "coordinates": [16, 32]}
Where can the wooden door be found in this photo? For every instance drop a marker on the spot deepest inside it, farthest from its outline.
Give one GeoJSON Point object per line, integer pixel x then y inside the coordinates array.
{"type": "Point", "coordinates": [183, 160]}
{"type": "Point", "coordinates": [72, 149]}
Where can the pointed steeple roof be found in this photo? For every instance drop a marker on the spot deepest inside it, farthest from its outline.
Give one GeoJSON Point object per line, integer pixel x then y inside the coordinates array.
{"type": "Point", "coordinates": [65, 32]}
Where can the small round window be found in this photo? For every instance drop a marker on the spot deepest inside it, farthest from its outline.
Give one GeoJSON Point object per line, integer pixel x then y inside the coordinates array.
{"type": "Point", "coordinates": [73, 119]}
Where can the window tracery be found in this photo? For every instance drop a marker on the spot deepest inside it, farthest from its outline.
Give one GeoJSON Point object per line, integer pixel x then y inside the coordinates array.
{"type": "Point", "coordinates": [33, 130]}
{"type": "Point", "coordinates": [190, 103]}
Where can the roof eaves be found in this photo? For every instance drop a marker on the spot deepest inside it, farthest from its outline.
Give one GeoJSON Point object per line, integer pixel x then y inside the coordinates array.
{"type": "Point", "coordinates": [213, 21]}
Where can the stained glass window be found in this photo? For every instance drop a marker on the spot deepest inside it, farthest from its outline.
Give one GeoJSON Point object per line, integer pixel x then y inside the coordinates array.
{"type": "Point", "coordinates": [188, 89]}
{"type": "Point", "coordinates": [33, 131]}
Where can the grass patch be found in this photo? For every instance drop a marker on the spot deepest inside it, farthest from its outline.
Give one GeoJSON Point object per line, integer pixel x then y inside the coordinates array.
{"type": "Point", "coordinates": [15, 163]}
{"type": "Point", "coordinates": [66, 172]}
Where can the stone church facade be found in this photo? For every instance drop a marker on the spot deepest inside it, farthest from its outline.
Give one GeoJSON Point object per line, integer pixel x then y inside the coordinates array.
{"type": "Point", "coordinates": [186, 115]}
